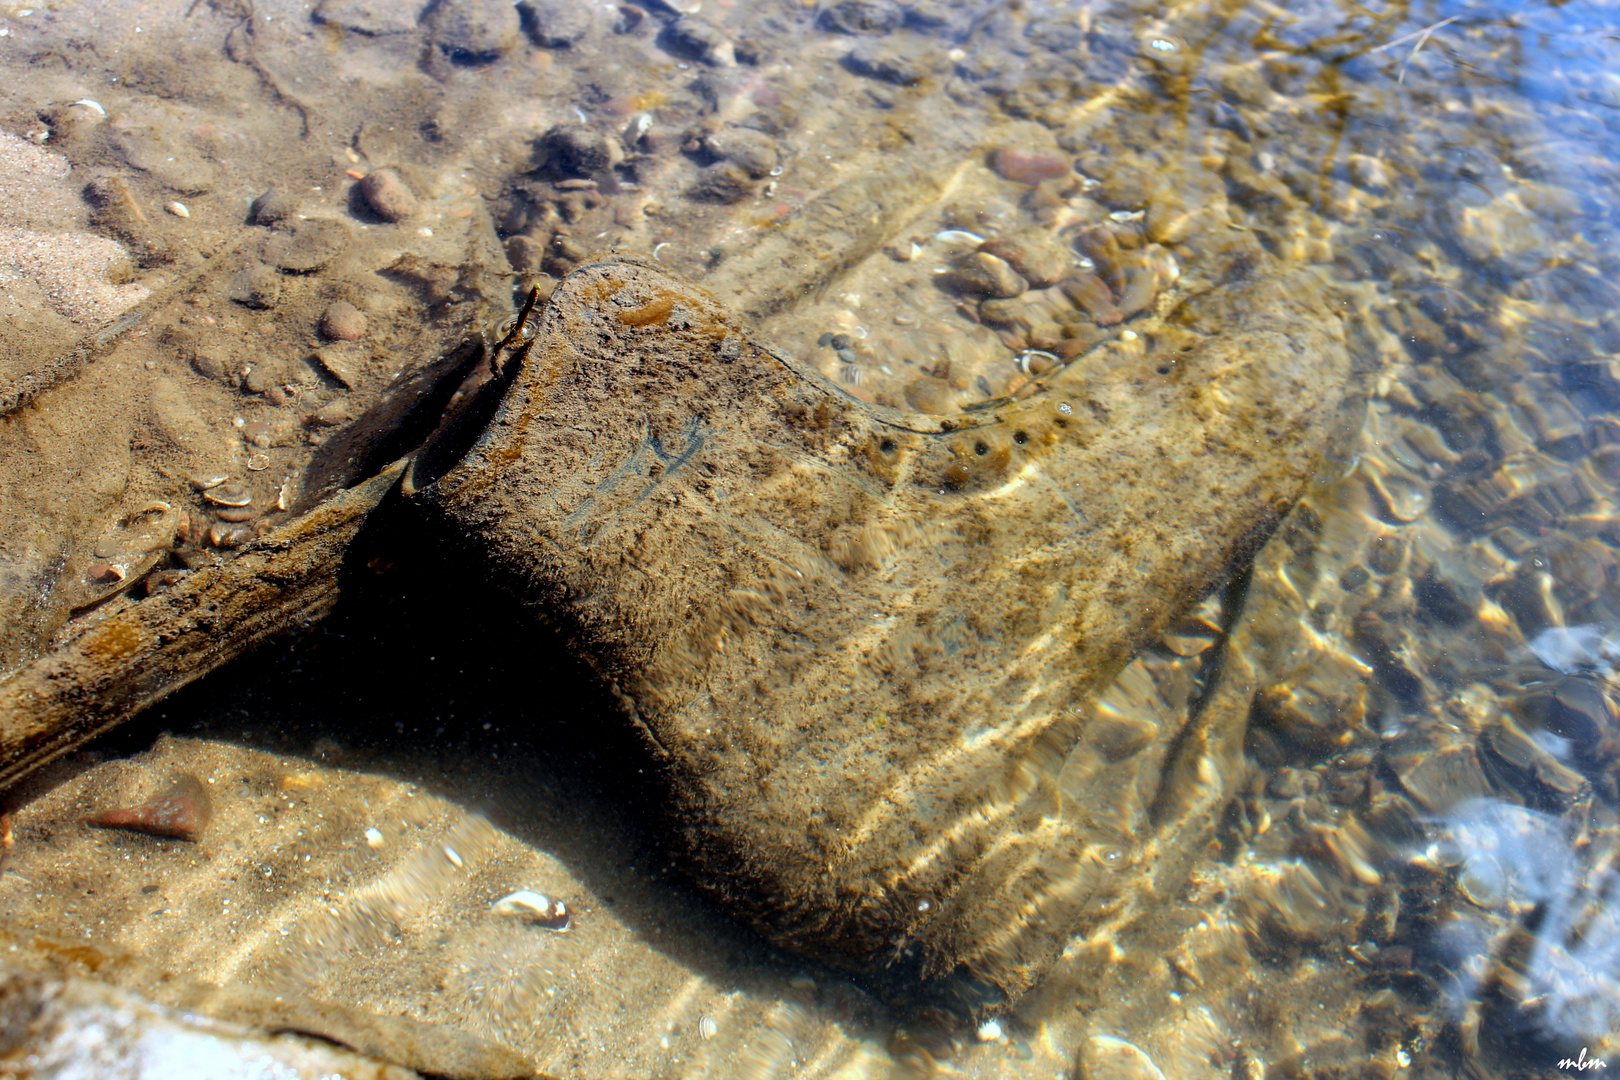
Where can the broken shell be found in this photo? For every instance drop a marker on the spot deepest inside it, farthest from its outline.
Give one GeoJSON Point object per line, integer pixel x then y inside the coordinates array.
{"type": "Point", "coordinates": [534, 908]}
{"type": "Point", "coordinates": [178, 209]}
{"type": "Point", "coordinates": [707, 1028]}
{"type": "Point", "coordinates": [229, 495]}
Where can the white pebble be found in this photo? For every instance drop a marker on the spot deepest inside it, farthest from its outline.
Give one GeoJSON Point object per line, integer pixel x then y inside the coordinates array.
{"type": "Point", "coordinates": [990, 1031]}
{"type": "Point", "coordinates": [374, 838]}
{"type": "Point", "coordinates": [450, 853]}
{"type": "Point", "coordinates": [178, 209]}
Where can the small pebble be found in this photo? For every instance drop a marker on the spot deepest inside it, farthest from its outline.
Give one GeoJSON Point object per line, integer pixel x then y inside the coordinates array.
{"type": "Point", "coordinates": [336, 363]}
{"type": "Point", "coordinates": [273, 208]}
{"type": "Point", "coordinates": [721, 183]}
{"type": "Point", "coordinates": [556, 24]}
{"type": "Point", "coordinates": [1037, 257]}
{"type": "Point", "coordinates": [180, 813]}
{"type": "Point", "coordinates": [387, 195]}
{"type": "Point", "coordinates": [1029, 166]}
{"type": "Point", "coordinates": [342, 321]}
{"type": "Point", "coordinates": [227, 536]}
{"type": "Point", "coordinates": [331, 415]}
{"type": "Point", "coordinates": [701, 40]}
{"type": "Point", "coordinates": [374, 838]}
{"type": "Point", "coordinates": [752, 151]}
{"type": "Point", "coordinates": [255, 286]}
{"type": "Point", "coordinates": [576, 150]}
{"type": "Point", "coordinates": [178, 209]}
{"type": "Point", "coordinates": [985, 275]}
{"type": "Point", "coordinates": [862, 16]}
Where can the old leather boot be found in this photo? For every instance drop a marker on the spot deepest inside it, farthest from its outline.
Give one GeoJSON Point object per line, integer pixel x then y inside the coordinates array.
{"type": "Point", "coordinates": [861, 642]}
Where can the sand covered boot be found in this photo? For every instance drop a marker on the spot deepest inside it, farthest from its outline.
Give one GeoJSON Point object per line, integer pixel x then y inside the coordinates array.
{"type": "Point", "coordinates": [861, 641]}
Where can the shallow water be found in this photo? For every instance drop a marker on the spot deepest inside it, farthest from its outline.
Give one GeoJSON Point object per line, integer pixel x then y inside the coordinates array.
{"type": "Point", "coordinates": [1412, 864]}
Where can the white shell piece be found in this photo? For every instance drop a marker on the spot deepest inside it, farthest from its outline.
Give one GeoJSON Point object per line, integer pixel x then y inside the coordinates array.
{"type": "Point", "coordinates": [707, 1028]}
{"type": "Point", "coordinates": [533, 907]}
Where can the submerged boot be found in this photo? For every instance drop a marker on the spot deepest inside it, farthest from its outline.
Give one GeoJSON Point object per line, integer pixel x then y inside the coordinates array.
{"type": "Point", "coordinates": [861, 641]}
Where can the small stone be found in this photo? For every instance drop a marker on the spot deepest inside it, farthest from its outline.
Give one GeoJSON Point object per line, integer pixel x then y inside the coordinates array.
{"type": "Point", "coordinates": [555, 24]}
{"type": "Point", "coordinates": [1088, 292]}
{"type": "Point", "coordinates": [576, 150]}
{"type": "Point", "coordinates": [525, 253]}
{"type": "Point", "coordinates": [331, 415]}
{"type": "Point", "coordinates": [985, 275]}
{"type": "Point", "coordinates": [1035, 254]}
{"type": "Point", "coordinates": [263, 375]}
{"type": "Point", "coordinates": [862, 17]}
{"type": "Point", "coordinates": [227, 536]}
{"type": "Point", "coordinates": [752, 151]}
{"type": "Point", "coordinates": [340, 364]}
{"type": "Point", "coordinates": [876, 60]}
{"type": "Point", "coordinates": [1025, 166]}
{"type": "Point", "coordinates": [698, 39]}
{"type": "Point", "coordinates": [387, 195]}
{"type": "Point", "coordinates": [255, 286]}
{"type": "Point", "coordinates": [1006, 314]}
{"type": "Point", "coordinates": [475, 31]}
{"type": "Point", "coordinates": [1369, 172]}
{"type": "Point", "coordinates": [179, 813]}
{"type": "Point", "coordinates": [273, 208]}
{"type": "Point", "coordinates": [342, 321]}
{"type": "Point", "coordinates": [310, 247]}
{"type": "Point", "coordinates": [721, 183]}
{"type": "Point", "coordinates": [370, 17]}
{"type": "Point", "coordinates": [212, 364]}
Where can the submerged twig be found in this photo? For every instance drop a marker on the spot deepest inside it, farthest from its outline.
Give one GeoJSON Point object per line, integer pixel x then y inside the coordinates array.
{"type": "Point", "coordinates": [1421, 35]}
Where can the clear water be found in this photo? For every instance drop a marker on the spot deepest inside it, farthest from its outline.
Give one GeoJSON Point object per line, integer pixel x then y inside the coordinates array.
{"type": "Point", "coordinates": [1410, 868]}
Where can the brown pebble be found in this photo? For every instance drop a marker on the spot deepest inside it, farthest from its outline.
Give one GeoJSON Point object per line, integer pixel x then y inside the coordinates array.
{"type": "Point", "coordinates": [1029, 166]}
{"type": "Point", "coordinates": [983, 274]}
{"type": "Point", "coordinates": [387, 195]}
{"type": "Point", "coordinates": [1139, 294]}
{"type": "Point", "coordinates": [331, 415]}
{"type": "Point", "coordinates": [1087, 291]}
{"type": "Point", "coordinates": [180, 813]}
{"type": "Point", "coordinates": [342, 321]}
{"type": "Point", "coordinates": [1037, 257]}
{"type": "Point", "coordinates": [224, 535]}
